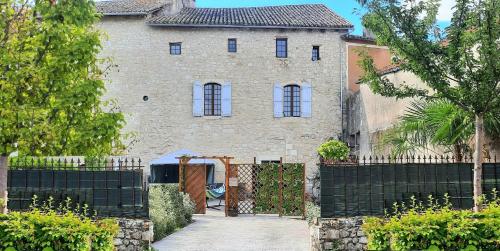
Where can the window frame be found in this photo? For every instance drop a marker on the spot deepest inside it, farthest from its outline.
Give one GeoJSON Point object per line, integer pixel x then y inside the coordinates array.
{"type": "Point", "coordinates": [292, 105]}
{"type": "Point", "coordinates": [280, 51]}
{"type": "Point", "coordinates": [214, 98]}
{"type": "Point", "coordinates": [231, 46]}
{"type": "Point", "coordinates": [173, 51]}
{"type": "Point", "coordinates": [315, 57]}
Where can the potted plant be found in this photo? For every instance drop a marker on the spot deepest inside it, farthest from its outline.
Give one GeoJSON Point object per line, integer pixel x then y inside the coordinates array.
{"type": "Point", "coordinates": [334, 151]}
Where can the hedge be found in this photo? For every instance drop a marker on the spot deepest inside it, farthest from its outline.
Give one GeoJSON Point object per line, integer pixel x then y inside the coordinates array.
{"type": "Point", "coordinates": [169, 209]}
{"type": "Point", "coordinates": [436, 228]}
{"type": "Point", "coordinates": [47, 231]}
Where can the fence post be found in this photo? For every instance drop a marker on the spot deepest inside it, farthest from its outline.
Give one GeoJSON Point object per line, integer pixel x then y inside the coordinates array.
{"type": "Point", "coordinates": [3, 183]}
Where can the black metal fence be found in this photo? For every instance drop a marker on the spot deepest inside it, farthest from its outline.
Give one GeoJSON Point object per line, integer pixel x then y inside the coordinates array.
{"type": "Point", "coordinates": [372, 185]}
{"type": "Point", "coordinates": [111, 187]}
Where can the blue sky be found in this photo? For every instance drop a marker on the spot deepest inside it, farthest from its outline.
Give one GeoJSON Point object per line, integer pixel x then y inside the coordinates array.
{"type": "Point", "coordinates": [348, 9]}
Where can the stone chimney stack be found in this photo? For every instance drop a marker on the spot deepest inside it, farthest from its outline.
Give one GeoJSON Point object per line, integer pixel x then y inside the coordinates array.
{"type": "Point", "coordinates": [175, 6]}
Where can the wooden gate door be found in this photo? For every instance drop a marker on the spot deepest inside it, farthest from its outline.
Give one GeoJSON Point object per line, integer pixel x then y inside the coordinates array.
{"type": "Point", "coordinates": [195, 185]}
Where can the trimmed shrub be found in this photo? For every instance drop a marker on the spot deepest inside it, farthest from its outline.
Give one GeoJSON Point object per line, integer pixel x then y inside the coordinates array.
{"type": "Point", "coordinates": [38, 230]}
{"type": "Point", "coordinates": [169, 209]}
{"type": "Point", "coordinates": [334, 150]}
{"type": "Point", "coordinates": [436, 228]}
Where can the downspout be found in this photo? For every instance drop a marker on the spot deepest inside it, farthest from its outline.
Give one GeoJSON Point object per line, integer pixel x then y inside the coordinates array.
{"type": "Point", "coordinates": [341, 57]}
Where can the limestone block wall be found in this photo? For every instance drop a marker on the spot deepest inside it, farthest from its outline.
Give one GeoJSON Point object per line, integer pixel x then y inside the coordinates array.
{"type": "Point", "coordinates": [164, 123]}
{"type": "Point", "coordinates": [338, 234]}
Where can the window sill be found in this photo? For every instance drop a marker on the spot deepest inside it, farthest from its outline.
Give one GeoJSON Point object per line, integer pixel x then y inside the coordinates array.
{"type": "Point", "coordinates": [212, 117]}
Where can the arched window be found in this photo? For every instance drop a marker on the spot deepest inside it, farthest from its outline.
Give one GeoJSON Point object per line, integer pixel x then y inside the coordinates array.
{"type": "Point", "coordinates": [212, 92]}
{"type": "Point", "coordinates": [291, 104]}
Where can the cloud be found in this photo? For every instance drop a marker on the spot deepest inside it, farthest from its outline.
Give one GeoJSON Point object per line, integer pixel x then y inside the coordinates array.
{"type": "Point", "coordinates": [445, 10]}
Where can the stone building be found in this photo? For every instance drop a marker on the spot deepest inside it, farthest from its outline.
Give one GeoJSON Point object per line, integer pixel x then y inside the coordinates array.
{"type": "Point", "coordinates": [262, 82]}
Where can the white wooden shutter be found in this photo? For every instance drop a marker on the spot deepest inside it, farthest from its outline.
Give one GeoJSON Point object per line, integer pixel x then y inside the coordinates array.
{"type": "Point", "coordinates": [278, 100]}
{"type": "Point", "coordinates": [197, 99]}
{"type": "Point", "coordinates": [226, 99]}
{"type": "Point", "coordinates": [306, 100]}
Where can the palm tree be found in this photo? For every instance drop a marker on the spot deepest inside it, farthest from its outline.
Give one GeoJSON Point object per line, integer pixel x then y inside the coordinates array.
{"type": "Point", "coordinates": [438, 123]}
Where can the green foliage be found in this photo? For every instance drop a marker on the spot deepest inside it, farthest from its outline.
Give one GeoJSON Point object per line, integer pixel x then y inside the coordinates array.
{"type": "Point", "coordinates": [51, 84]}
{"type": "Point", "coordinates": [436, 228]}
{"type": "Point", "coordinates": [313, 211]}
{"type": "Point", "coordinates": [437, 123]}
{"type": "Point", "coordinates": [334, 150]}
{"type": "Point", "coordinates": [59, 163]}
{"type": "Point", "coordinates": [169, 209]}
{"type": "Point", "coordinates": [459, 65]}
{"type": "Point", "coordinates": [47, 229]}
{"type": "Point", "coordinates": [267, 189]}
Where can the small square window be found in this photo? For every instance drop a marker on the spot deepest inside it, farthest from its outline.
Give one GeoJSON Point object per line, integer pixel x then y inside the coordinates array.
{"type": "Point", "coordinates": [175, 48]}
{"type": "Point", "coordinates": [315, 53]}
{"type": "Point", "coordinates": [281, 47]}
{"type": "Point", "coordinates": [231, 45]}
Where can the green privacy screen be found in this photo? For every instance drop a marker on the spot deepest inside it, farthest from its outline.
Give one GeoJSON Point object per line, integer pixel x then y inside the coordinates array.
{"type": "Point", "coordinates": [110, 191]}
{"type": "Point", "coordinates": [369, 189]}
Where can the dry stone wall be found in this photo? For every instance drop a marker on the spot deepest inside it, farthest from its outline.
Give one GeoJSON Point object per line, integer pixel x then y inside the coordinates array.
{"type": "Point", "coordinates": [338, 234]}
{"type": "Point", "coordinates": [134, 234]}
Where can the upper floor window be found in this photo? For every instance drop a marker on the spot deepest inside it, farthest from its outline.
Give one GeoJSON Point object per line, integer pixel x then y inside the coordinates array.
{"type": "Point", "coordinates": [231, 45]}
{"type": "Point", "coordinates": [281, 47]}
{"type": "Point", "coordinates": [212, 97]}
{"type": "Point", "coordinates": [291, 102]}
{"type": "Point", "coordinates": [315, 53]}
{"type": "Point", "coordinates": [175, 48]}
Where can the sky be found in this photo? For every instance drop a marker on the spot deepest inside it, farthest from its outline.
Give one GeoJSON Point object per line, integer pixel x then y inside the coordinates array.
{"type": "Point", "coordinates": [348, 9]}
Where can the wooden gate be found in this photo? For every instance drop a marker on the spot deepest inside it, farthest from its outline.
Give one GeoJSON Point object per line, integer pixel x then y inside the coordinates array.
{"type": "Point", "coordinates": [195, 185]}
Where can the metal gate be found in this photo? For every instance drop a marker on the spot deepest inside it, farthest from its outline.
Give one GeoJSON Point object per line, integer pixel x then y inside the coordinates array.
{"type": "Point", "coordinates": [276, 188]}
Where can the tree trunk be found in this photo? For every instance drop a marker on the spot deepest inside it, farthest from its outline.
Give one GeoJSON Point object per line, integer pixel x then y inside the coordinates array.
{"type": "Point", "coordinates": [457, 151]}
{"type": "Point", "coordinates": [478, 162]}
{"type": "Point", "coordinates": [3, 183]}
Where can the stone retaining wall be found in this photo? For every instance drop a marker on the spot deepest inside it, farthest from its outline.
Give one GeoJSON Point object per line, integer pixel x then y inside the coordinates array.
{"type": "Point", "coordinates": [134, 234]}
{"type": "Point", "coordinates": [338, 234]}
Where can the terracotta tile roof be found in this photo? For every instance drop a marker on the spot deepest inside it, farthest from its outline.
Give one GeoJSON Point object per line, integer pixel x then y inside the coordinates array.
{"type": "Point", "coordinates": [128, 7]}
{"type": "Point", "coordinates": [289, 16]}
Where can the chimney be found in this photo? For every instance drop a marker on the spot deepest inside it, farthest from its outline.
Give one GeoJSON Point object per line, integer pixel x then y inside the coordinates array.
{"type": "Point", "coordinates": [175, 6]}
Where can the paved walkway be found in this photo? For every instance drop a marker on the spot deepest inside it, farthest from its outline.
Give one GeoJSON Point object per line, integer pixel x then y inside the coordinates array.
{"type": "Point", "coordinates": [214, 232]}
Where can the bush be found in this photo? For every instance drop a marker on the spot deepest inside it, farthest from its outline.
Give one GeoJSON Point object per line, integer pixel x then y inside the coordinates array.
{"type": "Point", "coordinates": [436, 228]}
{"type": "Point", "coordinates": [48, 231]}
{"type": "Point", "coordinates": [169, 209]}
{"type": "Point", "coordinates": [334, 150]}
{"type": "Point", "coordinates": [313, 211]}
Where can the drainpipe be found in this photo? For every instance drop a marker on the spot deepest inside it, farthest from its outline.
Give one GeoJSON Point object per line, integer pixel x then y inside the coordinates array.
{"type": "Point", "coordinates": [341, 57]}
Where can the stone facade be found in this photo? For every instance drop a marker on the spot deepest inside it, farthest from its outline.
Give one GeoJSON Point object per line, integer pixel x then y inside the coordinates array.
{"type": "Point", "coordinates": [134, 234]}
{"type": "Point", "coordinates": [165, 123]}
{"type": "Point", "coordinates": [338, 234]}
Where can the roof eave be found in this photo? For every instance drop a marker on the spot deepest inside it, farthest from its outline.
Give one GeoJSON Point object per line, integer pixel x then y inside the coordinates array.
{"type": "Point", "coordinates": [125, 14]}
{"type": "Point", "coordinates": [249, 26]}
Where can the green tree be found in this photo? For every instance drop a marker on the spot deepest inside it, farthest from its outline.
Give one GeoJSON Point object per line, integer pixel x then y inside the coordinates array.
{"type": "Point", "coordinates": [459, 65]}
{"type": "Point", "coordinates": [437, 123]}
{"type": "Point", "coordinates": [51, 81]}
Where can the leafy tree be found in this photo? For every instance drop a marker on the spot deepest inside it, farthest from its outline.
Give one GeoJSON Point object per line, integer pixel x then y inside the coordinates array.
{"type": "Point", "coordinates": [459, 65]}
{"type": "Point", "coordinates": [51, 81]}
{"type": "Point", "coordinates": [438, 123]}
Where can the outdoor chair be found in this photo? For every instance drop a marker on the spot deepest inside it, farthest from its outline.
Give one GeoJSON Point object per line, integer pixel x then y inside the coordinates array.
{"type": "Point", "coordinates": [215, 191]}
